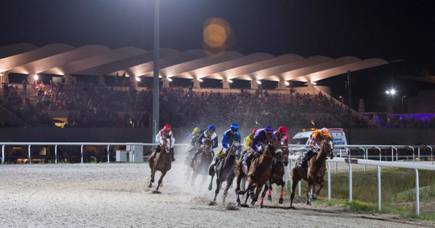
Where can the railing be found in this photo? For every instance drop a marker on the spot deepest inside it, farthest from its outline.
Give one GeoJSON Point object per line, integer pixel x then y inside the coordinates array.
{"type": "Point", "coordinates": [379, 165]}
{"type": "Point", "coordinates": [81, 144]}
{"type": "Point", "coordinates": [395, 151]}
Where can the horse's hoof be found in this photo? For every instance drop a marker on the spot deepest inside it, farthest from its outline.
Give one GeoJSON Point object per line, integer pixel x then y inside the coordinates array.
{"type": "Point", "coordinates": [156, 192]}
{"type": "Point", "coordinates": [244, 205]}
{"type": "Point", "coordinates": [210, 188]}
{"type": "Point", "coordinates": [281, 200]}
{"type": "Point", "coordinates": [308, 203]}
{"type": "Point", "coordinates": [212, 203]}
{"type": "Point", "coordinates": [150, 185]}
{"type": "Point", "coordinates": [269, 198]}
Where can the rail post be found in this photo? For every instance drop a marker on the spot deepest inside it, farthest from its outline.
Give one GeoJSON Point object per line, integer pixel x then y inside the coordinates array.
{"type": "Point", "coordinates": [329, 180]}
{"type": "Point", "coordinates": [418, 153]}
{"type": "Point", "coordinates": [417, 193]}
{"type": "Point", "coordinates": [3, 154]}
{"type": "Point", "coordinates": [350, 179]}
{"type": "Point", "coordinates": [379, 189]}
{"type": "Point", "coordinates": [431, 153]}
{"type": "Point", "coordinates": [380, 152]}
{"type": "Point", "coordinates": [29, 154]}
{"type": "Point", "coordinates": [299, 188]}
{"type": "Point", "coordinates": [364, 156]}
{"type": "Point", "coordinates": [55, 154]}
{"type": "Point", "coordinates": [81, 154]}
{"type": "Point", "coordinates": [413, 152]}
{"type": "Point", "coordinates": [108, 153]}
{"type": "Point", "coordinates": [392, 153]}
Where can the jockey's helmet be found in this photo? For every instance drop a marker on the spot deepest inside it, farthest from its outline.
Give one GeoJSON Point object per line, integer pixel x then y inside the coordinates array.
{"type": "Point", "coordinates": [325, 133]}
{"type": "Point", "coordinates": [234, 127]}
{"type": "Point", "coordinates": [269, 129]}
{"type": "Point", "coordinates": [196, 130]}
{"type": "Point", "coordinates": [283, 130]}
{"type": "Point", "coordinates": [167, 127]}
{"type": "Point", "coordinates": [211, 127]}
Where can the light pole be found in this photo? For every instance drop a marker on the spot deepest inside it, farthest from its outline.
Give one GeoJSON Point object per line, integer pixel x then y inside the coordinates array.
{"type": "Point", "coordinates": [156, 80]}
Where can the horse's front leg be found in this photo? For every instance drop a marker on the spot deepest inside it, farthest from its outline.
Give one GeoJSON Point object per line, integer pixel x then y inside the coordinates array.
{"type": "Point", "coordinates": [309, 193]}
{"type": "Point", "coordinates": [263, 194]}
{"type": "Point", "coordinates": [281, 194]}
{"type": "Point", "coordinates": [210, 186]}
{"type": "Point", "coordinates": [270, 189]}
{"type": "Point", "coordinates": [321, 184]}
{"type": "Point", "coordinates": [153, 172]}
{"type": "Point", "coordinates": [292, 196]}
{"type": "Point", "coordinates": [160, 180]}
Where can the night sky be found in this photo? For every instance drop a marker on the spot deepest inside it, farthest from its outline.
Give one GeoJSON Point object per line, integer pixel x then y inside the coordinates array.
{"type": "Point", "coordinates": [393, 30]}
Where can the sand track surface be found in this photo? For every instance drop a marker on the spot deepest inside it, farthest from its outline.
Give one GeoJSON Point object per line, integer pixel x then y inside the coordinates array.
{"type": "Point", "coordinates": [116, 195]}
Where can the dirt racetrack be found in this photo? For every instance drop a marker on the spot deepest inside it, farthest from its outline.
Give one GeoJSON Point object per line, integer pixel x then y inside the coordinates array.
{"type": "Point", "coordinates": [116, 195]}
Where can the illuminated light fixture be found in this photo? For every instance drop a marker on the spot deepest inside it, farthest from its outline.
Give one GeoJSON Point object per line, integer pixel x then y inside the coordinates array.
{"type": "Point", "coordinates": [200, 80]}
{"type": "Point", "coordinates": [391, 92]}
{"type": "Point", "coordinates": [314, 83]}
{"type": "Point", "coordinates": [169, 79]}
{"type": "Point", "coordinates": [259, 82]}
{"type": "Point", "coordinates": [138, 79]}
{"type": "Point", "coordinates": [286, 83]}
{"type": "Point", "coordinates": [230, 81]}
{"type": "Point", "coordinates": [35, 77]}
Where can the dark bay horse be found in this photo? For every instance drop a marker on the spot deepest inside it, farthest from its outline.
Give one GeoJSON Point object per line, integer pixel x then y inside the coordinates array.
{"type": "Point", "coordinates": [202, 161]}
{"type": "Point", "coordinates": [314, 174]}
{"type": "Point", "coordinates": [161, 161]}
{"type": "Point", "coordinates": [224, 172]}
{"type": "Point", "coordinates": [260, 171]}
{"type": "Point", "coordinates": [278, 171]}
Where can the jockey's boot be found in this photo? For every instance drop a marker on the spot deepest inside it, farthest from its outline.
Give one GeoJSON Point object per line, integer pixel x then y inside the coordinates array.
{"type": "Point", "coordinates": [211, 168]}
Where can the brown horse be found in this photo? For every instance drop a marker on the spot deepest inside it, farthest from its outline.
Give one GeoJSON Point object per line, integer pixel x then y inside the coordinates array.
{"type": "Point", "coordinates": [260, 171]}
{"type": "Point", "coordinates": [314, 173]}
{"type": "Point", "coordinates": [202, 161]}
{"type": "Point", "coordinates": [279, 164]}
{"type": "Point", "coordinates": [161, 161]}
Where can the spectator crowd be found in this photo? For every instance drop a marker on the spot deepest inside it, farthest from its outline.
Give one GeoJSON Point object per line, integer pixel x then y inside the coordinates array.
{"type": "Point", "coordinates": [89, 105]}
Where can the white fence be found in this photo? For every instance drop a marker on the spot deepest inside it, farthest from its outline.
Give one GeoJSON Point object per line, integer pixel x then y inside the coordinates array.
{"type": "Point", "coordinates": [379, 164]}
{"type": "Point", "coordinates": [343, 151]}
{"type": "Point", "coordinates": [57, 144]}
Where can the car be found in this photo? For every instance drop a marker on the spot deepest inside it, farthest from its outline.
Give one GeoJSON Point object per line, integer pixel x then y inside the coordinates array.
{"type": "Point", "coordinates": [301, 138]}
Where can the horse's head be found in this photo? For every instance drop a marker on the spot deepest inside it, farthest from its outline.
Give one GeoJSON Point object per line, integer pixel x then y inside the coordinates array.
{"type": "Point", "coordinates": [326, 148]}
{"type": "Point", "coordinates": [278, 154]}
{"type": "Point", "coordinates": [285, 154]}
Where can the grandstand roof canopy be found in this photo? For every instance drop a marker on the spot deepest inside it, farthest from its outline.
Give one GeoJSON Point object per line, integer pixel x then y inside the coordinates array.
{"type": "Point", "coordinates": [62, 59]}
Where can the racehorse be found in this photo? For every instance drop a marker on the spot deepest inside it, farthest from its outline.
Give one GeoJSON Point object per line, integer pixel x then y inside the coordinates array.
{"type": "Point", "coordinates": [161, 161]}
{"type": "Point", "coordinates": [278, 166]}
{"type": "Point", "coordinates": [314, 173]}
{"type": "Point", "coordinates": [224, 172]}
{"type": "Point", "coordinates": [202, 161]}
{"type": "Point", "coordinates": [260, 171]}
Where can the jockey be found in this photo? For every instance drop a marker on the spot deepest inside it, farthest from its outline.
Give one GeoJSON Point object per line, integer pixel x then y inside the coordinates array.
{"type": "Point", "coordinates": [209, 134]}
{"type": "Point", "coordinates": [314, 144]}
{"type": "Point", "coordinates": [282, 135]}
{"type": "Point", "coordinates": [230, 137]}
{"type": "Point", "coordinates": [165, 136]}
{"type": "Point", "coordinates": [196, 133]}
{"type": "Point", "coordinates": [261, 138]}
{"type": "Point", "coordinates": [248, 140]}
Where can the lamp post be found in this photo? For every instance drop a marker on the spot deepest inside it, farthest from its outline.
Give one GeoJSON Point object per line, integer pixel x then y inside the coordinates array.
{"type": "Point", "coordinates": [156, 80]}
